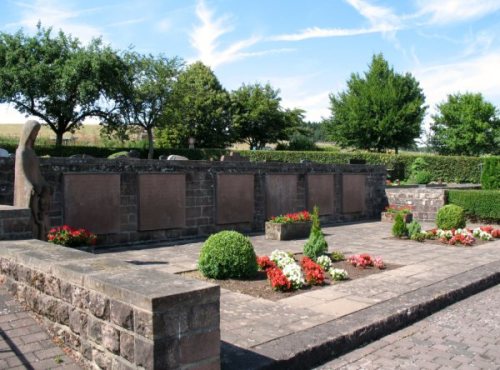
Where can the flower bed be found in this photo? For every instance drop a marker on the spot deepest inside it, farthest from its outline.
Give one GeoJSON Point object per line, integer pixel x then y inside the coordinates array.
{"type": "Point", "coordinates": [261, 285]}
{"type": "Point", "coordinates": [71, 237]}
{"type": "Point", "coordinates": [465, 237]}
{"type": "Point", "coordinates": [289, 226]}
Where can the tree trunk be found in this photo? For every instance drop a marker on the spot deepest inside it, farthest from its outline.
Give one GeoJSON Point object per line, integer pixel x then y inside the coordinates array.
{"type": "Point", "coordinates": [396, 150]}
{"type": "Point", "coordinates": [149, 130]}
{"type": "Point", "coordinates": [59, 139]}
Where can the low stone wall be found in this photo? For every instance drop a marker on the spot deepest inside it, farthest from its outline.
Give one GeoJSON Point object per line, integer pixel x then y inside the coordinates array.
{"type": "Point", "coordinates": [134, 201]}
{"type": "Point", "coordinates": [425, 201]}
{"type": "Point", "coordinates": [15, 223]}
{"type": "Point", "coordinates": [113, 314]}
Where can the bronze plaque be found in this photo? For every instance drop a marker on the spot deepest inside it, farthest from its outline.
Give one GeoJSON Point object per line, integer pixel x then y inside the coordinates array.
{"type": "Point", "coordinates": [235, 198]}
{"type": "Point", "coordinates": [320, 192]}
{"type": "Point", "coordinates": [281, 194]}
{"type": "Point", "coordinates": [353, 193]}
{"type": "Point", "coordinates": [92, 201]}
{"type": "Point", "coordinates": [162, 201]}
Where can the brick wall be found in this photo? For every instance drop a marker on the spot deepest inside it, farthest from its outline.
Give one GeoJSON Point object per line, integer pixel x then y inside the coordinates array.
{"type": "Point", "coordinates": [424, 201]}
{"type": "Point", "coordinates": [200, 193]}
{"type": "Point", "coordinates": [113, 314]}
{"type": "Point", "coordinates": [15, 223]}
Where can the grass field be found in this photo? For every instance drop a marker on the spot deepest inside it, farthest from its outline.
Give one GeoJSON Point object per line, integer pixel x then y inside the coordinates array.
{"type": "Point", "coordinates": [87, 135]}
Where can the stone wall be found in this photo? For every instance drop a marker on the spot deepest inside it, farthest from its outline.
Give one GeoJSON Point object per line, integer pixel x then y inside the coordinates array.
{"type": "Point", "coordinates": [132, 201]}
{"type": "Point", "coordinates": [15, 223]}
{"type": "Point", "coordinates": [425, 202]}
{"type": "Point", "coordinates": [113, 314]}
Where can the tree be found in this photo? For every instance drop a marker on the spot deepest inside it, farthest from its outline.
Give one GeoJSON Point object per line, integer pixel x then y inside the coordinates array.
{"type": "Point", "coordinates": [200, 109]}
{"type": "Point", "coordinates": [466, 124]}
{"type": "Point", "coordinates": [381, 110]}
{"type": "Point", "coordinates": [56, 79]}
{"type": "Point", "coordinates": [147, 92]}
{"type": "Point", "coordinates": [259, 118]}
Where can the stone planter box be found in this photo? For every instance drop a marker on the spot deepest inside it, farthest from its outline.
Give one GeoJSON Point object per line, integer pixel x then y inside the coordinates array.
{"type": "Point", "coordinates": [389, 217]}
{"type": "Point", "coordinates": [296, 230]}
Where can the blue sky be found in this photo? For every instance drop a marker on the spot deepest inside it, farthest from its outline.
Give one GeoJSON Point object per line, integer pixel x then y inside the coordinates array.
{"type": "Point", "coordinates": [306, 48]}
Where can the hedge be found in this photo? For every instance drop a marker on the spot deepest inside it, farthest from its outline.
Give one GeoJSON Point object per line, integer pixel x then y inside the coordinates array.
{"type": "Point", "coordinates": [104, 152]}
{"type": "Point", "coordinates": [478, 204]}
{"type": "Point", "coordinates": [490, 175]}
{"type": "Point", "coordinates": [458, 169]}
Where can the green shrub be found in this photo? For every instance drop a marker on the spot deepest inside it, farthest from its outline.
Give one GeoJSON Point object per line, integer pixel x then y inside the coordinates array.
{"type": "Point", "coordinates": [399, 228]}
{"type": "Point", "coordinates": [316, 245]}
{"type": "Point", "coordinates": [227, 254]}
{"type": "Point", "coordinates": [450, 216]}
{"type": "Point", "coordinates": [477, 204]}
{"type": "Point", "coordinates": [419, 237]}
{"type": "Point", "coordinates": [337, 256]}
{"type": "Point", "coordinates": [413, 228]}
{"type": "Point", "coordinates": [490, 175]}
{"type": "Point", "coordinates": [422, 177]}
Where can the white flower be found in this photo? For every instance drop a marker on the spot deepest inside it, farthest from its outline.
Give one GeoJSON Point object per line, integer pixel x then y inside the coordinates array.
{"type": "Point", "coordinates": [281, 258]}
{"type": "Point", "coordinates": [338, 274]}
{"type": "Point", "coordinates": [325, 262]}
{"type": "Point", "coordinates": [447, 234]}
{"type": "Point", "coordinates": [293, 272]}
{"type": "Point", "coordinates": [483, 235]}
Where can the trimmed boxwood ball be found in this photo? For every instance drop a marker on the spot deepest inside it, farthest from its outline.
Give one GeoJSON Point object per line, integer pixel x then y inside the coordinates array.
{"type": "Point", "coordinates": [227, 254]}
{"type": "Point", "coordinates": [450, 217]}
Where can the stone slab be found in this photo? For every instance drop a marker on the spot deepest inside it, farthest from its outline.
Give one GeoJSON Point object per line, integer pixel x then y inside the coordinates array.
{"type": "Point", "coordinates": [353, 193]}
{"type": "Point", "coordinates": [321, 192]}
{"type": "Point", "coordinates": [92, 201]}
{"type": "Point", "coordinates": [281, 194]}
{"type": "Point", "coordinates": [162, 201]}
{"type": "Point", "coordinates": [235, 198]}
{"type": "Point", "coordinates": [151, 290]}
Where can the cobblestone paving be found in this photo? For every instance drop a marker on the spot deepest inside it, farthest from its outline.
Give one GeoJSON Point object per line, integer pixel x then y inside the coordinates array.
{"type": "Point", "coordinates": [24, 344]}
{"type": "Point", "coordinates": [247, 322]}
{"type": "Point", "coordinates": [463, 336]}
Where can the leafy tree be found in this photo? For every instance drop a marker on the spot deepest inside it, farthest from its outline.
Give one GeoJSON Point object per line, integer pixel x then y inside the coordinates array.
{"type": "Point", "coordinates": [200, 109]}
{"type": "Point", "coordinates": [147, 91]}
{"type": "Point", "coordinates": [259, 118]}
{"type": "Point", "coordinates": [380, 110]}
{"type": "Point", "coordinates": [466, 124]}
{"type": "Point", "coordinates": [56, 79]}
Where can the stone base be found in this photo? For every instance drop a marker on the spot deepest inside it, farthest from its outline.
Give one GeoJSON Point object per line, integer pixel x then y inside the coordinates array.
{"type": "Point", "coordinates": [390, 216]}
{"type": "Point", "coordinates": [296, 230]}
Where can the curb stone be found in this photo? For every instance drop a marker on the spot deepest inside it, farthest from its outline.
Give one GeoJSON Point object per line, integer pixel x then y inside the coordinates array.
{"type": "Point", "coordinates": [315, 346]}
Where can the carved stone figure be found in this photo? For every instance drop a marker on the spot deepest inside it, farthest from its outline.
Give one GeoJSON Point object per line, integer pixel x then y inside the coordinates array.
{"type": "Point", "coordinates": [30, 188]}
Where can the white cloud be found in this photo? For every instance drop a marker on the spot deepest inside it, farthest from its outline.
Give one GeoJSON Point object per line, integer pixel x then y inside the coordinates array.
{"type": "Point", "coordinates": [299, 91]}
{"type": "Point", "coordinates": [9, 115]}
{"type": "Point", "coordinates": [477, 74]}
{"type": "Point", "coordinates": [381, 20]}
{"type": "Point", "coordinates": [56, 14]}
{"type": "Point", "coordinates": [205, 38]}
{"type": "Point", "coordinates": [449, 11]}
{"type": "Point", "coordinates": [316, 32]}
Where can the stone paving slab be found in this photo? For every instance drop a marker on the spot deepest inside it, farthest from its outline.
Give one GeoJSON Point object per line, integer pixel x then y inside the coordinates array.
{"type": "Point", "coordinates": [249, 325]}
{"type": "Point", "coordinates": [464, 336]}
{"type": "Point", "coordinates": [24, 344]}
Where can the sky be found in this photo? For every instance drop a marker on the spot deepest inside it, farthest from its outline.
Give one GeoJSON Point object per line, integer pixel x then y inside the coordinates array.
{"type": "Point", "coordinates": [306, 48]}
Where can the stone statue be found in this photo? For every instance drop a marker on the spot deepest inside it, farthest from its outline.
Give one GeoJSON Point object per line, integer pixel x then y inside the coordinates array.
{"type": "Point", "coordinates": [30, 188]}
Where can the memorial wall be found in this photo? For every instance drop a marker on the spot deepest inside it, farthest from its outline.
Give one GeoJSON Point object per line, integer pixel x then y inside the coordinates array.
{"type": "Point", "coordinates": [130, 201]}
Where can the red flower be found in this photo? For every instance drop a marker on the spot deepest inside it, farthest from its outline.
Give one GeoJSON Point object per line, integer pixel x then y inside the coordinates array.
{"type": "Point", "coordinates": [278, 280]}
{"type": "Point", "coordinates": [313, 273]}
{"type": "Point", "coordinates": [265, 263]}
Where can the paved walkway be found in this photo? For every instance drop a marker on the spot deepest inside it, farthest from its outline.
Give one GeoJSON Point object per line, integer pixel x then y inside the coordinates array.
{"type": "Point", "coordinates": [252, 324]}
{"type": "Point", "coordinates": [463, 336]}
{"type": "Point", "coordinates": [258, 326]}
{"type": "Point", "coordinates": [24, 344]}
